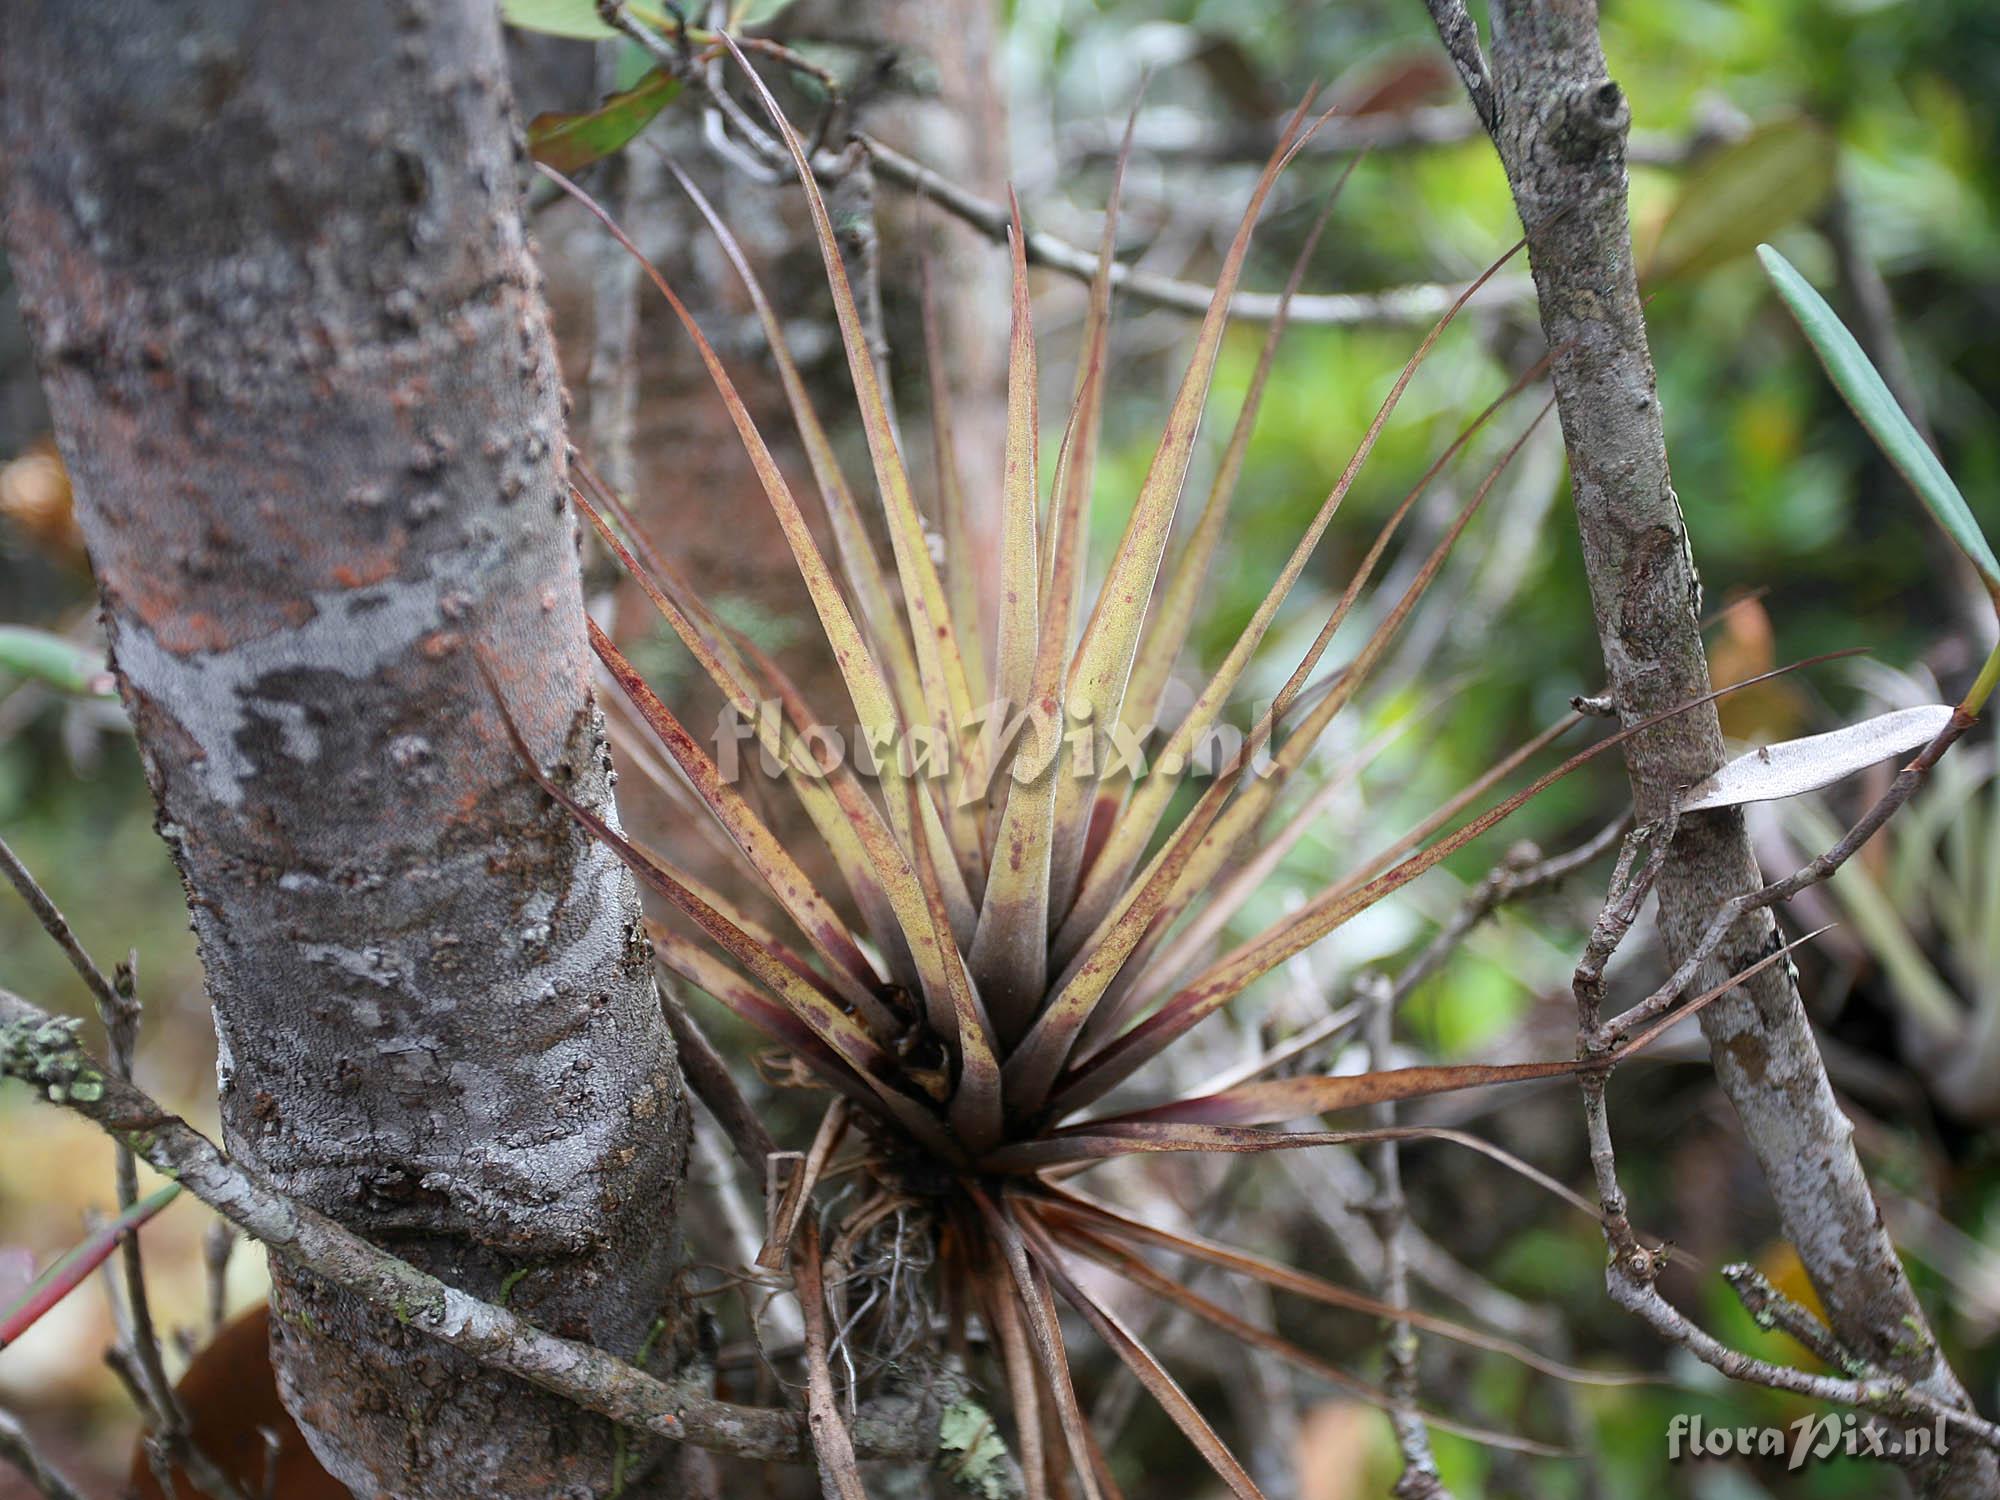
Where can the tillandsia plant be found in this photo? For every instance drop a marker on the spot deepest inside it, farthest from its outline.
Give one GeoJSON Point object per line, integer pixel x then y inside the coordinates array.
{"type": "Point", "coordinates": [1021, 890]}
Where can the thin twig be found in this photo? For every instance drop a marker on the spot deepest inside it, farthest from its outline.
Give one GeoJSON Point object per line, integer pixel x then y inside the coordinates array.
{"type": "Point", "coordinates": [1387, 1211]}
{"type": "Point", "coordinates": [1522, 871]}
{"type": "Point", "coordinates": [218, 1244]}
{"type": "Point", "coordinates": [1187, 139]}
{"type": "Point", "coordinates": [1811, 873]}
{"type": "Point", "coordinates": [20, 1451]}
{"type": "Point", "coordinates": [1634, 1267]}
{"type": "Point", "coordinates": [38, 1049]}
{"type": "Point", "coordinates": [122, 1027]}
{"type": "Point", "coordinates": [757, 153]}
{"type": "Point", "coordinates": [1773, 1309]}
{"type": "Point", "coordinates": [1460, 36]}
{"type": "Point", "coordinates": [55, 925]}
{"type": "Point", "coordinates": [1406, 304]}
{"type": "Point", "coordinates": [1333, 1180]}
{"type": "Point", "coordinates": [1633, 1271]}
{"type": "Point", "coordinates": [118, 1008]}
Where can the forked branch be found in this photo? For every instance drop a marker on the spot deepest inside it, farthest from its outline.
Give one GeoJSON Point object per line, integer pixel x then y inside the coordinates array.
{"type": "Point", "coordinates": [1560, 124]}
{"type": "Point", "coordinates": [44, 1052]}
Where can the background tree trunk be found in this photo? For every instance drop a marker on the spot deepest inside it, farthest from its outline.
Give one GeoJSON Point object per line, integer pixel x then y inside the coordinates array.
{"type": "Point", "coordinates": [1560, 123]}
{"type": "Point", "coordinates": [296, 353]}
{"type": "Point", "coordinates": [919, 75]}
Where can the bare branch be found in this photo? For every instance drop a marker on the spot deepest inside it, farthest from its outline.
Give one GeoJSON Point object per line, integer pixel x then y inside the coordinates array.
{"type": "Point", "coordinates": [1773, 1309]}
{"type": "Point", "coordinates": [58, 928]}
{"type": "Point", "coordinates": [1630, 1279]}
{"type": "Point", "coordinates": [1388, 1212]}
{"type": "Point", "coordinates": [1406, 304]}
{"type": "Point", "coordinates": [44, 1053]}
{"type": "Point", "coordinates": [1460, 36]}
{"type": "Point", "coordinates": [758, 153]}
{"type": "Point", "coordinates": [18, 1450]}
{"type": "Point", "coordinates": [1820, 868]}
{"type": "Point", "coordinates": [1635, 1267]}
{"type": "Point", "coordinates": [1560, 127]}
{"type": "Point", "coordinates": [1188, 140]}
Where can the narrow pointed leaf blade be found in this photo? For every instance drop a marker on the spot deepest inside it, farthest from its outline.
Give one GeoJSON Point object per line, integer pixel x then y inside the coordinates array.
{"type": "Point", "coordinates": [1134, 830]}
{"type": "Point", "coordinates": [965, 582]}
{"type": "Point", "coordinates": [1098, 677]}
{"type": "Point", "coordinates": [743, 998]}
{"type": "Point", "coordinates": [936, 642]}
{"type": "Point", "coordinates": [576, 19]}
{"type": "Point", "coordinates": [1094, 1143]}
{"type": "Point", "coordinates": [1174, 613]}
{"type": "Point", "coordinates": [975, 1101]}
{"type": "Point", "coordinates": [794, 890]}
{"type": "Point", "coordinates": [1857, 380]}
{"type": "Point", "coordinates": [48, 658]}
{"type": "Point", "coordinates": [571, 142]}
{"type": "Point", "coordinates": [858, 557]}
{"type": "Point", "coordinates": [1003, 1311]}
{"type": "Point", "coordinates": [867, 687]}
{"type": "Point", "coordinates": [1278, 1100]}
{"type": "Point", "coordinates": [1792, 767]}
{"type": "Point", "coordinates": [1780, 174]}
{"type": "Point", "coordinates": [76, 1265]}
{"type": "Point", "coordinates": [1045, 1334]}
{"type": "Point", "coordinates": [1140, 1360]}
{"type": "Point", "coordinates": [1109, 1223]}
{"type": "Point", "coordinates": [1020, 614]}
{"type": "Point", "coordinates": [1141, 1274]}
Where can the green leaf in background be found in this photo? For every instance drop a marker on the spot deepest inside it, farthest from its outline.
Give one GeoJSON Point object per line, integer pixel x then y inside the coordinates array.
{"type": "Point", "coordinates": [632, 64]}
{"type": "Point", "coordinates": [63, 665]}
{"type": "Point", "coordinates": [754, 12]}
{"type": "Point", "coordinates": [1739, 196]}
{"type": "Point", "coordinates": [1792, 767]}
{"type": "Point", "coordinates": [570, 18]}
{"type": "Point", "coordinates": [571, 142]}
{"type": "Point", "coordinates": [1858, 381]}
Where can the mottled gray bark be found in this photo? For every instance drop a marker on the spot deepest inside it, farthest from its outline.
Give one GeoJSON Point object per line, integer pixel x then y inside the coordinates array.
{"type": "Point", "coordinates": [294, 344]}
{"type": "Point", "coordinates": [1560, 124]}
{"type": "Point", "coordinates": [45, 1054]}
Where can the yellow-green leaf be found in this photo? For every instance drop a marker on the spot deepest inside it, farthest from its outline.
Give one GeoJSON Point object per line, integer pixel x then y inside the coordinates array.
{"type": "Point", "coordinates": [577, 19]}
{"type": "Point", "coordinates": [571, 142]}
{"type": "Point", "coordinates": [1742, 194]}
{"type": "Point", "coordinates": [1857, 379]}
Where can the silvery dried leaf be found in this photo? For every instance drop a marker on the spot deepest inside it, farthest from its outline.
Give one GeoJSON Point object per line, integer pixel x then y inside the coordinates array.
{"type": "Point", "coordinates": [1794, 766]}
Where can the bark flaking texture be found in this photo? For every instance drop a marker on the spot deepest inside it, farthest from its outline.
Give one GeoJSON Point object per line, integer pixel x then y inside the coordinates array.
{"type": "Point", "coordinates": [293, 338]}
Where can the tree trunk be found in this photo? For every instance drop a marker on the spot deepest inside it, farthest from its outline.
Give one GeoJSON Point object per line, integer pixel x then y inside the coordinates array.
{"type": "Point", "coordinates": [295, 348]}
{"type": "Point", "coordinates": [1560, 124]}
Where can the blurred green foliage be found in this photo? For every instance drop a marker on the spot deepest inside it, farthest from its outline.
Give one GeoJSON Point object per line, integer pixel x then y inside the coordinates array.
{"type": "Point", "coordinates": [1781, 489]}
